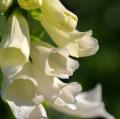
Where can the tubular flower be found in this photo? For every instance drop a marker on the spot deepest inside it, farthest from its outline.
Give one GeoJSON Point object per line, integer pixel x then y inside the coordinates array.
{"type": "Point", "coordinates": [79, 44]}
{"type": "Point", "coordinates": [57, 14]}
{"type": "Point", "coordinates": [4, 4]}
{"type": "Point", "coordinates": [54, 61]}
{"type": "Point", "coordinates": [11, 89]}
{"type": "Point", "coordinates": [30, 4]}
{"type": "Point", "coordinates": [14, 47]}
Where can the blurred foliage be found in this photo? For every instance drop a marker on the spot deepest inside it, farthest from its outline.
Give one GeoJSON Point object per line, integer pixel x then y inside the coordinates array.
{"type": "Point", "coordinates": [103, 17]}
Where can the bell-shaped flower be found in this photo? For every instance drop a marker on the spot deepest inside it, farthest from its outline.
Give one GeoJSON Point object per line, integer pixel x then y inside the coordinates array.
{"type": "Point", "coordinates": [79, 44]}
{"type": "Point", "coordinates": [57, 14]}
{"type": "Point", "coordinates": [49, 86]}
{"type": "Point", "coordinates": [30, 4]}
{"type": "Point", "coordinates": [53, 61]}
{"type": "Point", "coordinates": [14, 47]}
{"type": "Point", "coordinates": [4, 4]}
{"type": "Point", "coordinates": [19, 88]}
{"type": "Point", "coordinates": [28, 112]}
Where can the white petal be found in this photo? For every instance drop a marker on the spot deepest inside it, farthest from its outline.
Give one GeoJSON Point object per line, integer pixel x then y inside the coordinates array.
{"type": "Point", "coordinates": [27, 112]}
{"type": "Point", "coordinates": [62, 65]}
{"type": "Point", "coordinates": [14, 48]}
{"type": "Point", "coordinates": [84, 46]}
{"type": "Point", "coordinates": [79, 44]}
{"type": "Point", "coordinates": [47, 85]}
{"type": "Point", "coordinates": [69, 91]}
{"type": "Point", "coordinates": [20, 88]}
{"type": "Point", "coordinates": [55, 62]}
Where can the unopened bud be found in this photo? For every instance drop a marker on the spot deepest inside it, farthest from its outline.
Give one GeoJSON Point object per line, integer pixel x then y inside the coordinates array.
{"type": "Point", "coordinates": [4, 4]}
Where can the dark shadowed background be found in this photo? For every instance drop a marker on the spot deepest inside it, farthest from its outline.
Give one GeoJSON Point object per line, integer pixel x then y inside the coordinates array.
{"type": "Point", "coordinates": [103, 17]}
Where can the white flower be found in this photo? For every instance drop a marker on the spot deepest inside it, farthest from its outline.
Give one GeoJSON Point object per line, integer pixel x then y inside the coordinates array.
{"type": "Point", "coordinates": [19, 88]}
{"type": "Point", "coordinates": [57, 14]}
{"type": "Point", "coordinates": [30, 4]}
{"type": "Point", "coordinates": [50, 86]}
{"type": "Point", "coordinates": [53, 61]}
{"type": "Point", "coordinates": [79, 44]}
{"type": "Point", "coordinates": [28, 112]}
{"type": "Point", "coordinates": [14, 47]}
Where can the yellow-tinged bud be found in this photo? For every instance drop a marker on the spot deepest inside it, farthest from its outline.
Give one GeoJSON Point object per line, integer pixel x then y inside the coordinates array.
{"type": "Point", "coordinates": [4, 4]}
{"type": "Point", "coordinates": [30, 4]}
{"type": "Point", "coordinates": [57, 15]}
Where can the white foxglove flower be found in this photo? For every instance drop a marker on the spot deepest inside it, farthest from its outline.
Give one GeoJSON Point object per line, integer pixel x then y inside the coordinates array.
{"type": "Point", "coordinates": [20, 88]}
{"type": "Point", "coordinates": [4, 4]}
{"type": "Point", "coordinates": [57, 14]}
{"type": "Point", "coordinates": [49, 86]}
{"type": "Point", "coordinates": [28, 112]}
{"type": "Point", "coordinates": [54, 61]}
{"type": "Point", "coordinates": [30, 4]}
{"type": "Point", "coordinates": [14, 47]}
{"type": "Point", "coordinates": [79, 44]}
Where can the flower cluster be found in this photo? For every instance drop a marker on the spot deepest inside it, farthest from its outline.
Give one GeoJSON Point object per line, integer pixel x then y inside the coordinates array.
{"type": "Point", "coordinates": [32, 68]}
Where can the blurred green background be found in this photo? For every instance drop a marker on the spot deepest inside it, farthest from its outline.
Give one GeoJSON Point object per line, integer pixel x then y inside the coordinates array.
{"type": "Point", "coordinates": [103, 17]}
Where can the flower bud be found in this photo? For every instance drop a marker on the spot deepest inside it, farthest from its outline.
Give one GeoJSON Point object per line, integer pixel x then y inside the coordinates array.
{"type": "Point", "coordinates": [57, 15]}
{"type": "Point", "coordinates": [4, 4]}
